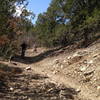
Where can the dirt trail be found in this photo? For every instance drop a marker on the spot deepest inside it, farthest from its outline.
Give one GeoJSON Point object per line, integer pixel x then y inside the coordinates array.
{"type": "Point", "coordinates": [84, 92]}
{"type": "Point", "coordinates": [32, 84]}
{"type": "Point", "coordinates": [41, 64]}
{"type": "Point", "coordinates": [44, 67]}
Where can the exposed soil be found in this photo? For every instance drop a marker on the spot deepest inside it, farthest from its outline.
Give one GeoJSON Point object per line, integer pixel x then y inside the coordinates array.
{"type": "Point", "coordinates": [29, 85]}
{"type": "Point", "coordinates": [56, 74]}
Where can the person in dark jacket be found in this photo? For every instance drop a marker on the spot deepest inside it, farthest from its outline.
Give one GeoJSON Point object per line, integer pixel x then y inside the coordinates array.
{"type": "Point", "coordinates": [23, 49]}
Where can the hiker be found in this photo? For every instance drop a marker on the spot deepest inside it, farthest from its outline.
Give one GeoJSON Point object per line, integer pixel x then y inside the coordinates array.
{"type": "Point", "coordinates": [23, 49]}
{"type": "Point", "coordinates": [35, 48]}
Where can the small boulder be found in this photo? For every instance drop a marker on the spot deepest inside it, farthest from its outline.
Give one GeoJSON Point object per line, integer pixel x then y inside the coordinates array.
{"type": "Point", "coordinates": [76, 54]}
{"type": "Point", "coordinates": [86, 73]}
{"type": "Point", "coordinates": [62, 66]}
{"type": "Point", "coordinates": [64, 61]}
{"type": "Point", "coordinates": [90, 62]}
{"type": "Point", "coordinates": [55, 72]}
{"type": "Point", "coordinates": [78, 90]}
{"type": "Point", "coordinates": [83, 68]}
{"type": "Point", "coordinates": [98, 87]}
{"type": "Point", "coordinates": [56, 61]}
{"type": "Point", "coordinates": [11, 88]}
{"type": "Point", "coordinates": [28, 68]}
{"type": "Point", "coordinates": [69, 57]}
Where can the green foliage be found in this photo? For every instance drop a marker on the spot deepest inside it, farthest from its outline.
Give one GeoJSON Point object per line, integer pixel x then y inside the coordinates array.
{"type": "Point", "coordinates": [12, 26]}
{"type": "Point", "coordinates": [5, 68]}
{"type": "Point", "coordinates": [65, 20]}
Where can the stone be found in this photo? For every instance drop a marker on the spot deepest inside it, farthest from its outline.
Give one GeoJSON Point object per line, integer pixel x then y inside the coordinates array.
{"type": "Point", "coordinates": [65, 95]}
{"type": "Point", "coordinates": [51, 89]}
{"type": "Point", "coordinates": [69, 57]}
{"type": "Point", "coordinates": [83, 53]}
{"type": "Point", "coordinates": [62, 93]}
{"type": "Point", "coordinates": [74, 60]}
{"type": "Point", "coordinates": [11, 88]}
{"type": "Point", "coordinates": [62, 66]}
{"type": "Point", "coordinates": [95, 56]}
{"type": "Point", "coordinates": [78, 90]}
{"type": "Point", "coordinates": [56, 61]}
{"type": "Point", "coordinates": [98, 87]}
{"type": "Point", "coordinates": [85, 61]}
{"type": "Point", "coordinates": [64, 61]}
{"type": "Point", "coordinates": [55, 66]}
{"type": "Point", "coordinates": [74, 55]}
{"type": "Point", "coordinates": [55, 72]}
{"type": "Point", "coordinates": [83, 68]}
{"type": "Point", "coordinates": [14, 63]}
{"type": "Point", "coordinates": [53, 98]}
{"type": "Point", "coordinates": [29, 99]}
{"type": "Point", "coordinates": [89, 72]}
{"type": "Point", "coordinates": [90, 62]}
{"type": "Point", "coordinates": [28, 68]}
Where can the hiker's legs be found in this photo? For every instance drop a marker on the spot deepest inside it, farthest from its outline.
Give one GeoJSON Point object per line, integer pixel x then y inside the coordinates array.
{"type": "Point", "coordinates": [23, 53]}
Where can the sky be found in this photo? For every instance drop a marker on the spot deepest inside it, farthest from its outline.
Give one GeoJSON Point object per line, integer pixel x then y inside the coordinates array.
{"type": "Point", "coordinates": [38, 6]}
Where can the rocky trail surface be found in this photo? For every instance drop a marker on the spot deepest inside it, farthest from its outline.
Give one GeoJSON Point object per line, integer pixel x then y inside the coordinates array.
{"type": "Point", "coordinates": [56, 74]}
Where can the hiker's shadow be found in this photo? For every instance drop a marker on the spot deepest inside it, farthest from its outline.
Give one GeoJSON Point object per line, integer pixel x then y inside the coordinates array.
{"type": "Point", "coordinates": [39, 57]}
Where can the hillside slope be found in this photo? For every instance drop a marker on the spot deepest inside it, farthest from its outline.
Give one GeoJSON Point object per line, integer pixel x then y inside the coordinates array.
{"type": "Point", "coordinates": [71, 73]}
{"type": "Point", "coordinates": [79, 69]}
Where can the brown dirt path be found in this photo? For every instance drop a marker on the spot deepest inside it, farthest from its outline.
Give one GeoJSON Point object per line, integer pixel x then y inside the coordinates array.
{"type": "Point", "coordinates": [41, 63]}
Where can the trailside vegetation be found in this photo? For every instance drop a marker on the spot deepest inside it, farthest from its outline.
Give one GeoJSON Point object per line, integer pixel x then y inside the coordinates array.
{"type": "Point", "coordinates": [67, 21]}
{"type": "Point", "coordinates": [14, 22]}
{"type": "Point", "coordinates": [64, 23]}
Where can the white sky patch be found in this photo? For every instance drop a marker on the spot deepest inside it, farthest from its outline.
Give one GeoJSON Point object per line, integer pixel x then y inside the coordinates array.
{"type": "Point", "coordinates": [19, 10]}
